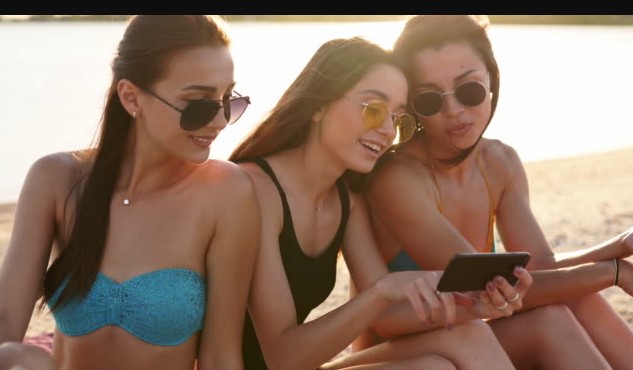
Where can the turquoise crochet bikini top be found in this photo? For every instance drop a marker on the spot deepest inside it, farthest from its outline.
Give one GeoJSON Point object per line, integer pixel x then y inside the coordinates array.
{"type": "Point", "coordinates": [163, 307]}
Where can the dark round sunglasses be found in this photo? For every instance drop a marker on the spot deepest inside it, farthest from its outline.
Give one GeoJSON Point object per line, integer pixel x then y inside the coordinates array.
{"type": "Point", "coordinates": [199, 112]}
{"type": "Point", "coordinates": [469, 94]}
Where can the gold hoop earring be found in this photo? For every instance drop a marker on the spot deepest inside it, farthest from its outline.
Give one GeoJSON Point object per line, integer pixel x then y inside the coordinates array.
{"type": "Point", "coordinates": [419, 127]}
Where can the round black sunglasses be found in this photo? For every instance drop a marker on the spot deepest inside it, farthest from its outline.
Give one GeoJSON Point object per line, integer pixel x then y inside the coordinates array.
{"type": "Point", "coordinates": [469, 94]}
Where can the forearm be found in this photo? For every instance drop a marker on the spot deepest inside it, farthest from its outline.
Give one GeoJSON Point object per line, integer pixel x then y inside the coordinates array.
{"type": "Point", "coordinates": [400, 319]}
{"type": "Point", "coordinates": [309, 345]}
{"type": "Point", "coordinates": [606, 250]}
{"type": "Point", "coordinates": [565, 284]}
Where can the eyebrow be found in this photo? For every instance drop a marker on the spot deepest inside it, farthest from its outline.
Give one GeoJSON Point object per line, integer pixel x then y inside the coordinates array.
{"type": "Point", "coordinates": [459, 77]}
{"type": "Point", "coordinates": [381, 95]}
{"type": "Point", "coordinates": [205, 88]}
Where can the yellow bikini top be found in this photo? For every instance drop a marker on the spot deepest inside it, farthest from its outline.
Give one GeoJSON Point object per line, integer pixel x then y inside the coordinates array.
{"type": "Point", "coordinates": [490, 241]}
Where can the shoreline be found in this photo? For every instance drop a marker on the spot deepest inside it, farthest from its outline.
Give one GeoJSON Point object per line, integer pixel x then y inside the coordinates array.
{"type": "Point", "coordinates": [579, 201]}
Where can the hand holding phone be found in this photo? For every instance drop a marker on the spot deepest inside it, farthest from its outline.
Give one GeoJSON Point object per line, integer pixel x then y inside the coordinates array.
{"type": "Point", "coordinates": [471, 271]}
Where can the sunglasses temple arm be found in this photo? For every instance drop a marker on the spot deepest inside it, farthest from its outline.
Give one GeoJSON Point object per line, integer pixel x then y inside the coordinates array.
{"type": "Point", "coordinates": [164, 101]}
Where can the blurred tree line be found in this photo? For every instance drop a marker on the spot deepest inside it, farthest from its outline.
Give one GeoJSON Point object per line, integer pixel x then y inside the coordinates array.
{"type": "Point", "coordinates": [494, 19]}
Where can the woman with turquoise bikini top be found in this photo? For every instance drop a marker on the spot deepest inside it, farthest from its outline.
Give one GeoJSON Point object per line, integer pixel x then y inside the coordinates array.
{"type": "Point", "coordinates": [150, 265]}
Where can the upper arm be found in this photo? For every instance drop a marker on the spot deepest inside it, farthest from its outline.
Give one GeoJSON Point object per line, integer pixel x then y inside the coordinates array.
{"type": "Point", "coordinates": [230, 261]}
{"type": "Point", "coordinates": [360, 248]}
{"type": "Point", "coordinates": [32, 236]}
{"type": "Point", "coordinates": [271, 304]}
{"type": "Point", "coordinates": [403, 207]}
{"type": "Point", "coordinates": [516, 223]}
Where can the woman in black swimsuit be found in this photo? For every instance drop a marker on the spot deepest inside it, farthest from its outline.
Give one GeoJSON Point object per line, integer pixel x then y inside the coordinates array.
{"type": "Point", "coordinates": [343, 112]}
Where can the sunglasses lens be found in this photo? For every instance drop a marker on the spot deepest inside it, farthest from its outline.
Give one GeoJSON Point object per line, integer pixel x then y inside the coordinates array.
{"type": "Point", "coordinates": [427, 103]}
{"type": "Point", "coordinates": [198, 113]}
{"type": "Point", "coordinates": [405, 126]}
{"type": "Point", "coordinates": [374, 114]}
{"type": "Point", "coordinates": [236, 107]}
{"type": "Point", "coordinates": [470, 94]}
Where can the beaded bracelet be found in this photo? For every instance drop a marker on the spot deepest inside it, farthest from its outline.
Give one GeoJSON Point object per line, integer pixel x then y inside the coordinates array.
{"type": "Point", "coordinates": [616, 275]}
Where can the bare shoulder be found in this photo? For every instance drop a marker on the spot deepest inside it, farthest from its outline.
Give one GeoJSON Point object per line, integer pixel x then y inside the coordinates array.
{"type": "Point", "coordinates": [220, 191]}
{"type": "Point", "coordinates": [58, 171]}
{"type": "Point", "coordinates": [353, 196]}
{"type": "Point", "coordinates": [497, 150]}
{"type": "Point", "coordinates": [267, 193]}
{"type": "Point", "coordinates": [500, 158]}
{"type": "Point", "coordinates": [223, 177]}
{"type": "Point", "coordinates": [64, 162]}
{"type": "Point", "coordinates": [396, 168]}
{"type": "Point", "coordinates": [264, 186]}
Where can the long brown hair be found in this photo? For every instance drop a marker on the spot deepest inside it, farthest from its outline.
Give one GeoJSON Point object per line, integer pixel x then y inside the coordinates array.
{"type": "Point", "coordinates": [147, 45]}
{"type": "Point", "coordinates": [434, 31]}
{"type": "Point", "coordinates": [334, 69]}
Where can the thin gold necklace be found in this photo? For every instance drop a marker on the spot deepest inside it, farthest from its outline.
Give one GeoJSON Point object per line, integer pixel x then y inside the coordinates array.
{"type": "Point", "coordinates": [126, 200]}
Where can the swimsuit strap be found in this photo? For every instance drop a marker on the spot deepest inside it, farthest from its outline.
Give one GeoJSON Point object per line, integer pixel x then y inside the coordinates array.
{"type": "Point", "coordinates": [491, 211]}
{"type": "Point", "coordinates": [438, 195]}
{"type": "Point", "coordinates": [490, 240]}
{"type": "Point", "coordinates": [263, 164]}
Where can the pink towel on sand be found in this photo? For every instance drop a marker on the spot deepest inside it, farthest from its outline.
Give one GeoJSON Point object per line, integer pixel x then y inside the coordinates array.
{"type": "Point", "coordinates": [43, 340]}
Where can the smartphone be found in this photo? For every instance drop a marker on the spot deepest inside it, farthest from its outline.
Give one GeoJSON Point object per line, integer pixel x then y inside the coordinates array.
{"type": "Point", "coordinates": [471, 271]}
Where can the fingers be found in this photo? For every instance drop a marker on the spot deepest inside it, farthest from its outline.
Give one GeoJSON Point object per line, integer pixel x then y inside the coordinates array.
{"type": "Point", "coordinates": [506, 298]}
{"type": "Point", "coordinates": [450, 311]}
{"type": "Point", "coordinates": [429, 304]}
{"type": "Point", "coordinates": [464, 300]}
{"type": "Point", "coordinates": [497, 297]}
{"type": "Point", "coordinates": [524, 281]}
{"type": "Point", "coordinates": [516, 297]}
{"type": "Point", "coordinates": [414, 298]}
{"type": "Point", "coordinates": [431, 298]}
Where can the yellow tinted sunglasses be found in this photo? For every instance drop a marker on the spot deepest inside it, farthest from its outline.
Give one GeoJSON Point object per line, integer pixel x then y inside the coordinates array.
{"type": "Point", "coordinates": [375, 112]}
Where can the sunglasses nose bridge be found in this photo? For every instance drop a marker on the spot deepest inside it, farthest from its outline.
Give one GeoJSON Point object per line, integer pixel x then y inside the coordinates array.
{"type": "Point", "coordinates": [217, 118]}
{"type": "Point", "coordinates": [452, 103]}
{"type": "Point", "coordinates": [224, 111]}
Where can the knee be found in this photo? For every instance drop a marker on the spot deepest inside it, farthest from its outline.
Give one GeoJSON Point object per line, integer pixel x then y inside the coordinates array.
{"type": "Point", "coordinates": [435, 362]}
{"type": "Point", "coordinates": [475, 331]}
{"type": "Point", "coordinates": [554, 320]}
{"type": "Point", "coordinates": [10, 353]}
{"type": "Point", "coordinates": [553, 314]}
{"type": "Point", "coordinates": [14, 355]}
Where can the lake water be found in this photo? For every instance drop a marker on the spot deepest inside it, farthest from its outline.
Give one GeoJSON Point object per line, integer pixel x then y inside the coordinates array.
{"type": "Point", "coordinates": [565, 90]}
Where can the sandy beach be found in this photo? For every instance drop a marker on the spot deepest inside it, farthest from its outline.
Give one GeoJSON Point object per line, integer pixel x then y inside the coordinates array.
{"type": "Point", "coordinates": [578, 201]}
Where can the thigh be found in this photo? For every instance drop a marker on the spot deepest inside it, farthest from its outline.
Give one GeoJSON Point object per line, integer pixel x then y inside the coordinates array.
{"type": "Point", "coordinates": [547, 337]}
{"type": "Point", "coordinates": [608, 330]}
{"type": "Point", "coordinates": [430, 362]}
{"type": "Point", "coordinates": [471, 345]}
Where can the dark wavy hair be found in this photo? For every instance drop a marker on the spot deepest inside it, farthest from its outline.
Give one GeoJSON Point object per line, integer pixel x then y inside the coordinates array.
{"type": "Point", "coordinates": [334, 69]}
{"type": "Point", "coordinates": [147, 45]}
{"type": "Point", "coordinates": [434, 31]}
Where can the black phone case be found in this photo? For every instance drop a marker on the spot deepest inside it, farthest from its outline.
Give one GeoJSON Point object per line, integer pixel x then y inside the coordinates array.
{"type": "Point", "coordinates": [471, 271]}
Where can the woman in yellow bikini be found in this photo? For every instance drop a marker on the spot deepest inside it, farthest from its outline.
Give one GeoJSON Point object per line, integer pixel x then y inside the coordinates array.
{"type": "Point", "coordinates": [449, 187]}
